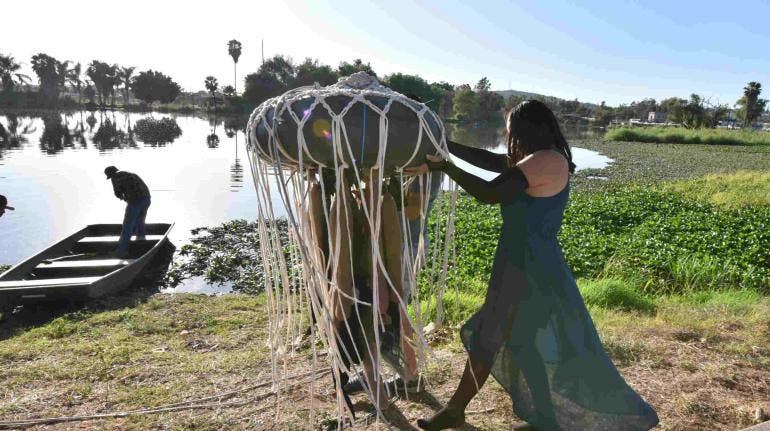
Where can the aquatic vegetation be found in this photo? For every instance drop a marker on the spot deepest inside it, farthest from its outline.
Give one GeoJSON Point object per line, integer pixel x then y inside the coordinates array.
{"type": "Point", "coordinates": [673, 244]}
{"type": "Point", "coordinates": [680, 135]}
{"type": "Point", "coordinates": [157, 131]}
{"type": "Point", "coordinates": [228, 253]}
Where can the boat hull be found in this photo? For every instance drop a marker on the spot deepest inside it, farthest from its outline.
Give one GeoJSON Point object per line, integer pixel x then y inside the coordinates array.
{"type": "Point", "coordinates": [79, 267]}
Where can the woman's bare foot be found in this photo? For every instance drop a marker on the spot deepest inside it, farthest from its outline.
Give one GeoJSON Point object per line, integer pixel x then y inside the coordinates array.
{"type": "Point", "coordinates": [447, 417]}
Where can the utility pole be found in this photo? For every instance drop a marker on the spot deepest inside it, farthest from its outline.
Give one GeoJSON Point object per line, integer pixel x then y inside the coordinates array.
{"type": "Point", "coordinates": [263, 51]}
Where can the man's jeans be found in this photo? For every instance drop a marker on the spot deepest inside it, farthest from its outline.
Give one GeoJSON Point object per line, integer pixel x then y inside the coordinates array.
{"type": "Point", "coordinates": [133, 222]}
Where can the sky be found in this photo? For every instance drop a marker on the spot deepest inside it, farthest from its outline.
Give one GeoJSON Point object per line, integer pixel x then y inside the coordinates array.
{"type": "Point", "coordinates": [613, 51]}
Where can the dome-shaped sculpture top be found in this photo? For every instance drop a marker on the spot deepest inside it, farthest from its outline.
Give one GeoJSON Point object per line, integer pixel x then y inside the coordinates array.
{"type": "Point", "coordinates": [355, 121]}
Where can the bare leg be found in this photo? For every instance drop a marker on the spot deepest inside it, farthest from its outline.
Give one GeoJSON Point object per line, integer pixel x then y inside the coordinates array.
{"type": "Point", "coordinates": [453, 415]}
{"type": "Point", "coordinates": [378, 395]}
{"type": "Point", "coordinates": [537, 380]}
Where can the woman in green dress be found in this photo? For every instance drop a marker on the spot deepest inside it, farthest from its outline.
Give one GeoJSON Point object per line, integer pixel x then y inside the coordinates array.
{"type": "Point", "coordinates": [533, 333]}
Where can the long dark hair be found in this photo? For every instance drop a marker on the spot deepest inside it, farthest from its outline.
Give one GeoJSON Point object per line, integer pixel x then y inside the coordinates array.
{"type": "Point", "coordinates": [532, 127]}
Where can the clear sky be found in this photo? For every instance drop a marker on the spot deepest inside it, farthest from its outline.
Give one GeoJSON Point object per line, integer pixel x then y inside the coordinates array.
{"type": "Point", "coordinates": [612, 50]}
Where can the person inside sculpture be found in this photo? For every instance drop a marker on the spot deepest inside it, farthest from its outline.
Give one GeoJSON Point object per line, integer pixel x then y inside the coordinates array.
{"type": "Point", "coordinates": [348, 235]}
{"type": "Point", "coordinates": [130, 188]}
{"type": "Point", "coordinates": [533, 333]}
{"type": "Point", "coordinates": [396, 341]}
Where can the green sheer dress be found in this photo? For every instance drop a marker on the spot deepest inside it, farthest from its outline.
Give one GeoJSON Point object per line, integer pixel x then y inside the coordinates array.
{"type": "Point", "coordinates": [535, 326]}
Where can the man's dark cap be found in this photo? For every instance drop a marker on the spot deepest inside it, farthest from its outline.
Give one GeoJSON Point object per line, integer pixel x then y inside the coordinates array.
{"type": "Point", "coordinates": [110, 171]}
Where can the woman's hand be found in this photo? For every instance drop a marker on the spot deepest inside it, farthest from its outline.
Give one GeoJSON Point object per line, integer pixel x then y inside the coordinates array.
{"type": "Point", "coordinates": [432, 162]}
{"type": "Point", "coordinates": [416, 170]}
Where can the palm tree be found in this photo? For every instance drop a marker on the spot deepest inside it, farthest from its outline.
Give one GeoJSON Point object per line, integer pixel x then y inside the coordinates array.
{"type": "Point", "coordinates": [211, 86]}
{"type": "Point", "coordinates": [73, 78]}
{"type": "Point", "coordinates": [234, 49]}
{"type": "Point", "coordinates": [9, 75]}
{"type": "Point", "coordinates": [124, 76]}
{"type": "Point", "coordinates": [104, 79]}
{"type": "Point", "coordinates": [752, 105]}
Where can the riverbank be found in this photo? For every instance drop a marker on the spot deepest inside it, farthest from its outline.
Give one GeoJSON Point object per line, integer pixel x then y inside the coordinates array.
{"type": "Point", "coordinates": [701, 360]}
{"type": "Point", "coordinates": [681, 135]}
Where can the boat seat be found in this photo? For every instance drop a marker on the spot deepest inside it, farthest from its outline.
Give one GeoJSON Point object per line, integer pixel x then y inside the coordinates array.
{"type": "Point", "coordinates": [100, 263]}
{"type": "Point", "coordinates": [48, 282]}
{"type": "Point", "coordinates": [92, 239]}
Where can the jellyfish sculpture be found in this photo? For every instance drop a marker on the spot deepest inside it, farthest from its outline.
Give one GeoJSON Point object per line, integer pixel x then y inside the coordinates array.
{"type": "Point", "coordinates": [338, 267]}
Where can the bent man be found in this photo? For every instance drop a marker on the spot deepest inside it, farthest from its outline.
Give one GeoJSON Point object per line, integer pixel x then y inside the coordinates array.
{"type": "Point", "coordinates": [4, 205]}
{"type": "Point", "coordinates": [130, 188]}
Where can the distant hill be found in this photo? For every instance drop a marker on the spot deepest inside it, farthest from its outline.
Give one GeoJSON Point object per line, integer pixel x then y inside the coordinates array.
{"type": "Point", "coordinates": [527, 95]}
{"type": "Point", "coordinates": [507, 93]}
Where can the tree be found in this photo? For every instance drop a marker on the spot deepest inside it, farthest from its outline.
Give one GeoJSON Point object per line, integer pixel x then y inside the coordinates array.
{"type": "Point", "coordinates": [694, 112]}
{"type": "Point", "coordinates": [274, 76]}
{"type": "Point", "coordinates": [489, 104]}
{"type": "Point", "coordinates": [211, 86]}
{"type": "Point", "coordinates": [73, 78]}
{"type": "Point", "coordinates": [104, 77]}
{"type": "Point", "coordinates": [412, 85]}
{"type": "Point", "coordinates": [150, 86]}
{"type": "Point", "coordinates": [674, 107]}
{"type": "Point", "coordinates": [465, 103]}
{"type": "Point", "coordinates": [228, 91]}
{"type": "Point", "coordinates": [751, 106]}
{"type": "Point", "coordinates": [603, 115]}
{"type": "Point", "coordinates": [234, 49]}
{"type": "Point", "coordinates": [124, 75]}
{"type": "Point", "coordinates": [89, 92]}
{"type": "Point", "coordinates": [47, 70]}
{"type": "Point", "coordinates": [513, 101]}
{"type": "Point", "coordinates": [9, 73]}
{"type": "Point", "coordinates": [281, 68]}
{"type": "Point", "coordinates": [310, 72]}
{"type": "Point", "coordinates": [483, 85]}
{"type": "Point", "coordinates": [642, 109]}
{"type": "Point", "coordinates": [358, 65]}
{"type": "Point", "coordinates": [445, 93]}
{"type": "Point", "coordinates": [716, 112]}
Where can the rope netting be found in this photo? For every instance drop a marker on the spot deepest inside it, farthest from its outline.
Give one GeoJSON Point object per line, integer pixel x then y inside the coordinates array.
{"type": "Point", "coordinates": [345, 274]}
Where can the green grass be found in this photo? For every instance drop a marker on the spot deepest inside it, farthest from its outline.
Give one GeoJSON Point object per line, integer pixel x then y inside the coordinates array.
{"type": "Point", "coordinates": [615, 294]}
{"type": "Point", "coordinates": [678, 135]}
{"type": "Point", "coordinates": [88, 346]}
{"type": "Point", "coordinates": [739, 189]}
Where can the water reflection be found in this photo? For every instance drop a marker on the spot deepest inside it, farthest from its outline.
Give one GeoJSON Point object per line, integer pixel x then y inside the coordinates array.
{"type": "Point", "coordinates": [236, 170]}
{"type": "Point", "coordinates": [56, 135]}
{"type": "Point", "coordinates": [109, 137]}
{"type": "Point", "coordinates": [212, 139]}
{"type": "Point", "coordinates": [481, 137]}
{"type": "Point", "coordinates": [157, 132]}
{"type": "Point", "coordinates": [494, 139]}
{"type": "Point", "coordinates": [52, 163]}
{"type": "Point", "coordinates": [490, 138]}
{"type": "Point", "coordinates": [14, 135]}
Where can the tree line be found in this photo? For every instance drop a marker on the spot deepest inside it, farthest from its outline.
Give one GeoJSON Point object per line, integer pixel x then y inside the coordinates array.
{"type": "Point", "coordinates": [698, 111]}
{"type": "Point", "coordinates": [101, 82]}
